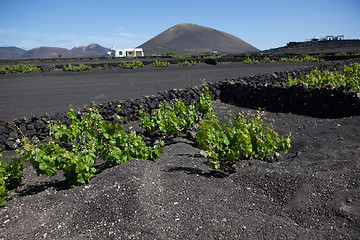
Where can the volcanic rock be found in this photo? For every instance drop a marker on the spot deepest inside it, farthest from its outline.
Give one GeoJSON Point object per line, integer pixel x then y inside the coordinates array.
{"type": "Point", "coordinates": [189, 38]}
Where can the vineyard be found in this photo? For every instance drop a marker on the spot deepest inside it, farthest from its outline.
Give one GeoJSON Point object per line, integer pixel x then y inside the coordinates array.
{"type": "Point", "coordinates": [223, 159]}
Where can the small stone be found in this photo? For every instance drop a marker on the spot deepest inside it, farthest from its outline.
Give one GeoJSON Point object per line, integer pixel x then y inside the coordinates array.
{"type": "Point", "coordinates": [10, 145]}
{"type": "Point", "coordinates": [3, 130]}
{"type": "Point", "coordinates": [13, 134]}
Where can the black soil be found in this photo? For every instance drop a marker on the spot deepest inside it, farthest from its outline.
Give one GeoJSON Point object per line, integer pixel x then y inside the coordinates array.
{"type": "Point", "coordinates": [310, 193]}
{"type": "Point", "coordinates": [50, 92]}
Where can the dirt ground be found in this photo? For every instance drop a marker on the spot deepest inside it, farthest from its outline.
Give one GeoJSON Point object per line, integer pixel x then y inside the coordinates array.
{"type": "Point", "coordinates": [313, 192]}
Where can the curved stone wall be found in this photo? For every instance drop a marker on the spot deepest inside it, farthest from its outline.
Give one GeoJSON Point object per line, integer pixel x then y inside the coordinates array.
{"type": "Point", "coordinates": [267, 91]}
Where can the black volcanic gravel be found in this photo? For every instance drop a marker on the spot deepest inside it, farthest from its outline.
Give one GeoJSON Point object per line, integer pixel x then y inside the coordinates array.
{"type": "Point", "coordinates": [310, 193]}
{"type": "Point", "coordinates": [50, 92]}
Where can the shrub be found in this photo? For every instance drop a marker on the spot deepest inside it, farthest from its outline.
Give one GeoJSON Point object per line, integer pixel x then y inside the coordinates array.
{"type": "Point", "coordinates": [75, 148]}
{"type": "Point", "coordinates": [73, 68]}
{"type": "Point", "coordinates": [104, 67]}
{"type": "Point", "coordinates": [173, 54]}
{"type": "Point", "coordinates": [242, 138]}
{"type": "Point", "coordinates": [176, 118]}
{"type": "Point", "coordinates": [188, 63]}
{"type": "Point", "coordinates": [250, 61]}
{"type": "Point", "coordinates": [132, 64]}
{"type": "Point", "coordinates": [10, 176]}
{"type": "Point", "coordinates": [21, 68]}
{"type": "Point", "coordinates": [267, 60]}
{"type": "Point", "coordinates": [160, 64]}
{"type": "Point", "coordinates": [350, 78]}
{"type": "Point", "coordinates": [306, 58]}
{"type": "Point", "coordinates": [211, 57]}
{"type": "Point", "coordinates": [173, 119]}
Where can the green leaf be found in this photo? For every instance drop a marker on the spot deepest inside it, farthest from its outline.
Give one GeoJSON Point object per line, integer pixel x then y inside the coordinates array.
{"type": "Point", "coordinates": [43, 166]}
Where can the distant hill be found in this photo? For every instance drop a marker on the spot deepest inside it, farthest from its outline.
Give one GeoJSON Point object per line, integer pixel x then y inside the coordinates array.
{"type": "Point", "coordinates": [11, 52]}
{"type": "Point", "coordinates": [46, 52]}
{"type": "Point", "coordinates": [189, 38]}
{"type": "Point", "coordinates": [92, 50]}
{"type": "Point", "coordinates": [330, 46]}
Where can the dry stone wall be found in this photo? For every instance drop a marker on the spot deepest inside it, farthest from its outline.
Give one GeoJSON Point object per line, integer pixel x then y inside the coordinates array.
{"type": "Point", "coordinates": [267, 91]}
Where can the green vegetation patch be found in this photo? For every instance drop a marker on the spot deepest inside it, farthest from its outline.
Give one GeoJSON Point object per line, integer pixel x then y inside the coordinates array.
{"type": "Point", "coordinates": [243, 138]}
{"type": "Point", "coordinates": [176, 118]}
{"type": "Point", "coordinates": [21, 68]}
{"type": "Point", "coordinates": [350, 78]}
{"type": "Point", "coordinates": [250, 61]}
{"type": "Point", "coordinates": [74, 68]}
{"type": "Point", "coordinates": [306, 58]}
{"type": "Point", "coordinates": [267, 60]}
{"type": "Point", "coordinates": [160, 64]}
{"type": "Point", "coordinates": [131, 65]}
{"type": "Point", "coordinates": [10, 176]}
{"type": "Point", "coordinates": [75, 148]}
{"type": "Point", "coordinates": [188, 63]}
{"type": "Point", "coordinates": [104, 67]}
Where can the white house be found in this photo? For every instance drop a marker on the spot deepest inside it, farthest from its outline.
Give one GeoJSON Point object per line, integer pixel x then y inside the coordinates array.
{"type": "Point", "coordinates": [127, 52]}
{"type": "Point", "coordinates": [339, 37]}
{"type": "Point", "coordinates": [326, 38]}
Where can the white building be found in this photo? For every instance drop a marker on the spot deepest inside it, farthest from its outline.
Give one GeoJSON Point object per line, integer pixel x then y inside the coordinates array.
{"type": "Point", "coordinates": [326, 38]}
{"type": "Point", "coordinates": [127, 52]}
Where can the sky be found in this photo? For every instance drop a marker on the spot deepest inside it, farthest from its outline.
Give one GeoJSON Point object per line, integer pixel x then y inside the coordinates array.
{"type": "Point", "coordinates": [264, 24]}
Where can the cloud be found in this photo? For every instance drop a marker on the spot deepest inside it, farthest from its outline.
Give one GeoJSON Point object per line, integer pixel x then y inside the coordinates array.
{"type": "Point", "coordinates": [28, 40]}
{"type": "Point", "coordinates": [132, 35]}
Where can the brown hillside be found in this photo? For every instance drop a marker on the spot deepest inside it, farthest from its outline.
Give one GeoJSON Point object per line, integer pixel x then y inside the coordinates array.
{"type": "Point", "coordinates": [46, 52]}
{"type": "Point", "coordinates": [92, 50]}
{"type": "Point", "coordinates": [190, 38]}
{"type": "Point", "coordinates": [11, 52]}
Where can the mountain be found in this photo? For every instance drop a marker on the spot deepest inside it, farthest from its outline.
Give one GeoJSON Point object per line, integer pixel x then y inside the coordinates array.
{"type": "Point", "coordinates": [328, 46]}
{"type": "Point", "coordinates": [189, 38]}
{"type": "Point", "coordinates": [11, 52]}
{"type": "Point", "coordinates": [46, 52]}
{"type": "Point", "coordinates": [92, 50]}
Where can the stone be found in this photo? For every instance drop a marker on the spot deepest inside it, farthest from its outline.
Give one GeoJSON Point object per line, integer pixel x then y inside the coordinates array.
{"type": "Point", "coordinates": [39, 124]}
{"type": "Point", "coordinates": [30, 126]}
{"type": "Point", "coordinates": [22, 127]}
{"type": "Point", "coordinates": [13, 134]}
{"type": "Point", "coordinates": [3, 130]}
{"type": "Point", "coordinates": [211, 61]}
{"type": "Point", "coordinates": [10, 145]}
{"type": "Point", "coordinates": [31, 133]}
{"type": "Point", "coordinates": [57, 116]}
{"type": "Point", "coordinates": [2, 139]}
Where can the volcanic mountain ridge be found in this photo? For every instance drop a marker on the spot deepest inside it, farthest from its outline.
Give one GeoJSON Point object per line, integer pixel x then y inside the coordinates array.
{"type": "Point", "coordinates": [92, 50]}
{"type": "Point", "coordinates": [189, 38]}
